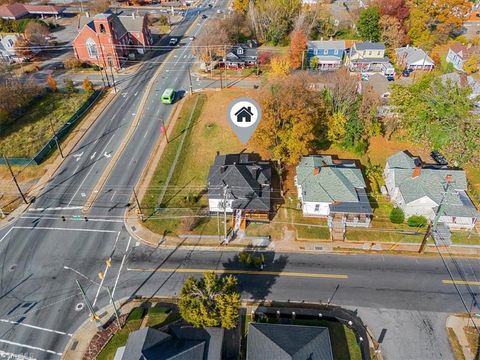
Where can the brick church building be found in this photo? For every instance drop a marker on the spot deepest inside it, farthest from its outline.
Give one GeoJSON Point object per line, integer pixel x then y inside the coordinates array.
{"type": "Point", "coordinates": [109, 39]}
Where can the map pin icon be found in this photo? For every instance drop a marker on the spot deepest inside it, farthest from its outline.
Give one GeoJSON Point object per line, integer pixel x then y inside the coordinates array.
{"type": "Point", "coordinates": [244, 115]}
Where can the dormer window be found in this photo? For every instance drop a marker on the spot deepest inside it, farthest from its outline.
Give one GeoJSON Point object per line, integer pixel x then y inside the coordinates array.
{"type": "Point", "coordinates": [240, 50]}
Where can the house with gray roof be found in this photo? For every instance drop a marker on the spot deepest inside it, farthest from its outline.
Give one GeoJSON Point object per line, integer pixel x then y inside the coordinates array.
{"type": "Point", "coordinates": [418, 189]}
{"type": "Point", "coordinates": [334, 189]}
{"type": "Point", "coordinates": [462, 80]}
{"type": "Point", "coordinates": [242, 55]}
{"type": "Point", "coordinates": [7, 48]}
{"type": "Point", "coordinates": [179, 343]}
{"type": "Point", "coordinates": [413, 58]}
{"type": "Point", "coordinates": [240, 184]}
{"type": "Point", "coordinates": [368, 57]}
{"type": "Point", "coordinates": [328, 54]}
{"type": "Point", "coordinates": [288, 342]}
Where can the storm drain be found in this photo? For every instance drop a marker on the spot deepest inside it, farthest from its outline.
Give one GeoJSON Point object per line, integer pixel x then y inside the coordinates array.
{"type": "Point", "coordinates": [79, 307]}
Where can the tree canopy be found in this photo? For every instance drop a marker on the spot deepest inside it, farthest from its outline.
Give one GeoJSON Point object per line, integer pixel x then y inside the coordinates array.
{"type": "Point", "coordinates": [368, 24]}
{"type": "Point", "coordinates": [210, 301]}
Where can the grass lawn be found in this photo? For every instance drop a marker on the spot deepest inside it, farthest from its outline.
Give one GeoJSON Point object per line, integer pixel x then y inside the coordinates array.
{"type": "Point", "coordinates": [455, 345]}
{"type": "Point", "coordinates": [473, 340]}
{"type": "Point", "coordinates": [306, 232]}
{"type": "Point", "coordinates": [157, 317]}
{"type": "Point", "coordinates": [375, 235]}
{"type": "Point", "coordinates": [208, 134]}
{"type": "Point", "coordinates": [465, 237]}
{"type": "Point", "coordinates": [28, 134]}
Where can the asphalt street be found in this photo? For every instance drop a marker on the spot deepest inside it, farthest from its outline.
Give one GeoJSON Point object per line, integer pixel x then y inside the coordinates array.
{"type": "Point", "coordinates": [42, 255]}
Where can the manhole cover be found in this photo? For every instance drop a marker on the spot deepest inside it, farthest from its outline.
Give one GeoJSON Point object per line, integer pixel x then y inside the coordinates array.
{"type": "Point", "coordinates": [79, 306]}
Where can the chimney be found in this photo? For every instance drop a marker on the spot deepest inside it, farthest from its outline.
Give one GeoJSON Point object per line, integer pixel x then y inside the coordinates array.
{"type": "Point", "coordinates": [133, 15]}
{"type": "Point", "coordinates": [316, 171]}
{"type": "Point", "coordinates": [249, 108]}
{"type": "Point", "coordinates": [87, 14]}
{"type": "Point", "coordinates": [417, 171]}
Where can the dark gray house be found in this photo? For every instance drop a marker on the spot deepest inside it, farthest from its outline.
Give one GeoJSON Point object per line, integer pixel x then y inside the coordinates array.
{"type": "Point", "coordinates": [242, 55]}
{"type": "Point", "coordinates": [288, 342]}
{"type": "Point", "coordinates": [240, 183]}
{"type": "Point", "coordinates": [182, 343]}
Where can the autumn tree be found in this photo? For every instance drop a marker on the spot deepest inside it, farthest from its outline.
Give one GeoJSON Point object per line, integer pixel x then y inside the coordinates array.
{"type": "Point", "coordinates": [439, 114]}
{"type": "Point", "coordinates": [52, 83]}
{"type": "Point", "coordinates": [293, 118]}
{"type": "Point", "coordinates": [470, 65]}
{"type": "Point", "coordinates": [296, 52]}
{"type": "Point", "coordinates": [23, 48]}
{"type": "Point", "coordinates": [87, 85]}
{"type": "Point", "coordinates": [68, 85]}
{"type": "Point", "coordinates": [241, 6]}
{"type": "Point", "coordinates": [99, 6]}
{"type": "Point", "coordinates": [397, 9]}
{"type": "Point", "coordinates": [342, 92]}
{"type": "Point", "coordinates": [36, 33]}
{"type": "Point", "coordinates": [391, 31]}
{"type": "Point", "coordinates": [367, 112]}
{"type": "Point", "coordinates": [210, 301]}
{"type": "Point", "coordinates": [212, 42]}
{"type": "Point", "coordinates": [279, 66]}
{"type": "Point", "coordinates": [273, 20]}
{"type": "Point", "coordinates": [368, 24]}
{"type": "Point", "coordinates": [336, 127]}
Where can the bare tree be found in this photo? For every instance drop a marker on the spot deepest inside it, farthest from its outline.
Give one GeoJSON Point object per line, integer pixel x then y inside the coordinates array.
{"type": "Point", "coordinates": [99, 6]}
{"type": "Point", "coordinates": [343, 89]}
{"type": "Point", "coordinates": [36, 33]}
{"type": "Point", "coordinates": [213, 41]}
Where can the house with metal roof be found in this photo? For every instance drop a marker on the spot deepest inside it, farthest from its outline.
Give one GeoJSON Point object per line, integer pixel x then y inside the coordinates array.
{"type": "Point", "coordinates": [413, 58]}
{"type": "Point", "coordinates": [180, 342]}
{"type": "Point", "coordinates": [328, 54]}
{"type": "Point", "coordinates": [288, 342]}
{"type": "Point", "coordinates": [334, 189]}
{"type": "Point", "coordinates": [240, 184]}
{"type": "Point", "coordinates": [17, 11]}
{"type": "Point", "coordinates": [419, 189]}
{"type": "Point", "coordinates": [368, 57]}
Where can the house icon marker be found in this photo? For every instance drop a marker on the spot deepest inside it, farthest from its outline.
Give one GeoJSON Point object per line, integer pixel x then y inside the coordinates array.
{"type": "Point", "coordinates": [244, 114]}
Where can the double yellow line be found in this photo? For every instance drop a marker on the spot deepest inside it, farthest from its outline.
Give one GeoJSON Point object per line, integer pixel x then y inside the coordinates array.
{"type": "Point", "coordinates": [460, 282]}
{"type": "Point", "coordinates": [243, 272]}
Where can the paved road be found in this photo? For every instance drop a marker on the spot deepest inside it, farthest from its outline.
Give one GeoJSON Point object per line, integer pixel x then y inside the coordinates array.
{"type": "Point", "coordinates": [38, 296]}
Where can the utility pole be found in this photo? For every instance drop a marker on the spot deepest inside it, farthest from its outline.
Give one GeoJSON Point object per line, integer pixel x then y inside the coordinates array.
{"type": "Point", "coordinates": [432, 227]}
{"type": "Point", "coordinates": [55, 137]}
{"type": "Point", "coordinates": [15, 180]}
{"type": "Point", "coordinates": [104, 63]}
{"type": "Point", "coordinates": [89, 306]}
{"type": "Point", "coordinates": [190, 79]}
{"type": "Point", "coordinates": [114, 306]}
{"type": "Point", "coordinates": [225, 239]}
{"type": "Point", "coordinates": [225, 63]}
{"type": "Point", "coordinates": [138, 202]}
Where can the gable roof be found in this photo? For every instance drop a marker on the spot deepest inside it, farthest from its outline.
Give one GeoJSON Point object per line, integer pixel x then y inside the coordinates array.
{"type": "Point", "coordinates": [411, 55]}
{"type": "Point", "coordinates": [430, 182]}
{"type": "Point", "coordinates": [367, 45]}
{"type": "Point", "coordinates": [121, 24]}
{"type": "Point", "coordinates": [13, 11]}
{"type": "Point", "coordinates": [327, 44]}
{"type": "Point", "coordinates": [248, 181]}
{"type": "Point", "coordinates": [277, 341]}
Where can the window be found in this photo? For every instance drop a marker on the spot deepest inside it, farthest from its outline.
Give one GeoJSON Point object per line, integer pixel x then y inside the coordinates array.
{"type": "Point", "coordinates": [317, 207]}
{"type": "Point", "coordinates": [10, 42]}
{"type": "Point", "coordinates": [102, 28]}
{"type": "Point", "coordinates": [336, 52]}
{"type": "Point", "coordinates": [325, 51]}
{"type": "Point", "coordinates": [369, 53]}
{"type": "Point", "coordinates": [92, 48]}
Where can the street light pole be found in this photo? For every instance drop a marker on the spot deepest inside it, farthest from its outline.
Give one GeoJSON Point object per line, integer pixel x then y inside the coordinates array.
{"type": "Point", "coordinates": [55, 137]}
{"type": "Point", "coordinates": [89, 306]}
{"type": "Point", "coordinates": [190, 79]}
{"type": "Point", "coordinates": [225, 239]}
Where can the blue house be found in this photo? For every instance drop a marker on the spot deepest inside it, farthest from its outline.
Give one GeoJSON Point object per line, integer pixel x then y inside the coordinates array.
{"type": "Point", "coordinates": [329, 54]}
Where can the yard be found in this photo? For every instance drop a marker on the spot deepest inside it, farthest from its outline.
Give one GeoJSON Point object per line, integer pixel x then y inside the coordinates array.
{"type": "Point", "coordinates": [156, 317]}
{"type": "Point", "coordinates": [208, 133]}
{"type": "Point", "coordinates": [30, 132]}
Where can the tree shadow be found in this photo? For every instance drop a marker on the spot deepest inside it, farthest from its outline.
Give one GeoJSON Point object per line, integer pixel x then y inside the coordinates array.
{"type": "Point", "coordinates": [253, 281]}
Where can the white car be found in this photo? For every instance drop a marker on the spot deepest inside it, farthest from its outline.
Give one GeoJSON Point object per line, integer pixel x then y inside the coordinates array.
{"type": "Point", "coordinates": [219, 11]}
{"type": "Point", "coordinates": [173, 41]}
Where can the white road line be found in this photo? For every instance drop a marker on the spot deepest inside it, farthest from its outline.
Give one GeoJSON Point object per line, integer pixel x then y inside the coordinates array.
{"type": "Point", "coordinates": [8, 355]}
{"type": "Point", "coordinates": [113, 195]}
{"type": "Point", "coordinates": [92, 167]}
{"type": "Point", "coordinates": [93, 155]}
{"type": "Point", "coordinates": [4, 236]}
{"type": "Point", "coordinates": [29, 347]}
{"type": "Point", "coordinates": [62, 229]}
{"type": "Point", "coordinates": [35, 327]}
{"type": "Point", "coordinates": [57, 218]}
{"type": "Point", "coordinates": [121, 266]}
{"type": "Point", "coordinates": [57, 208]}
{"type": "Point", "coordinates": [146, 132]}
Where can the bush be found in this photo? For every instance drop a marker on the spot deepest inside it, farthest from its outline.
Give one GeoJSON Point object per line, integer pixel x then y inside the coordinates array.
{"type": "Point", "coordinates": [397, 216]}
{"type": "Point", "coordinates": [68, 85]}
{"type": "Point", "coordinates": [72, 63]}
{"type": "Point", "coordinates": [88, 86]}
{"type": "Point", "coordinates": [417, 221]}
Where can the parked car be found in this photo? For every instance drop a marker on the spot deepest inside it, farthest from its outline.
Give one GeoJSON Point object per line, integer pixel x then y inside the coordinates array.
{"type": "Point", "coordinates": [391, 78]}
{"type": "Point", "coordinates": [204, 16]}
{"type": "Point", "coordinates": [173, 41]}
{"type": "Point", "coordinates": [407, 72]}
{"type": "Point", "coordinates": [219, 11]}
{"type": "Point", "coordinates": [439, 158]}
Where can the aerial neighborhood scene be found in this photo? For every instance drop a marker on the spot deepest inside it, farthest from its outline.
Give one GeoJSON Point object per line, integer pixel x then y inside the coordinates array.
{"type": "Point", "coordinates": [240, 179]}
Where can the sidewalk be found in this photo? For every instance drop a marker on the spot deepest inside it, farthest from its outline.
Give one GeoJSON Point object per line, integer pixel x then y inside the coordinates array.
{"type": "Point", "coordinates": [457, 324]}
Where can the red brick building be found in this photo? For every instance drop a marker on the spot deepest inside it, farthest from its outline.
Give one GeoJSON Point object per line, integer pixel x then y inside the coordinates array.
{"type": "Point", "coordinates": [109, 40]}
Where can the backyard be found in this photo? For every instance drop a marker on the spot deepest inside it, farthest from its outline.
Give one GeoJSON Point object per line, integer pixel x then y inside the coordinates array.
{"type": "Point", "coordinates": [30, 132]}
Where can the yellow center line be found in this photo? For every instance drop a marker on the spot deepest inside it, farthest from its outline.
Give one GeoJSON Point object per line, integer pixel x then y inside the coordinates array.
{"type": "Point", "coordinates": [460, 282]}
{"type": "Point", "coordinates": [246, 272]}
